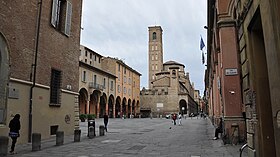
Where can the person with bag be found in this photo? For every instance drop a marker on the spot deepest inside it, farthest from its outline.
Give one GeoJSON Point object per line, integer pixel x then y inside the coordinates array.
{"type": "Point", "coordinates": [14, 126]}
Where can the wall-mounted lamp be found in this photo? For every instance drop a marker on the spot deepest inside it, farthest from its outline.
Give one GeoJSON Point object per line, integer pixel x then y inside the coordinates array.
{"type": "Point", "coordinates": [232, 92]}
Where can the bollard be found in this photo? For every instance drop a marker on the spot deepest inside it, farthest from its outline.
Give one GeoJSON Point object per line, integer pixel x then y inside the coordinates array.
{"type": "Point", "coordinates": [77, 135]}
{"type": "Point", "coordinates": [101, 130]}
{"type": "Point", "coordinates": [4, 141]}
{"type": "Point", "coordinates": [36, 141]}
{"type": "Point", "coordinates": [91, 132]}
{"type": "Point", "coordinates": [59, 138]}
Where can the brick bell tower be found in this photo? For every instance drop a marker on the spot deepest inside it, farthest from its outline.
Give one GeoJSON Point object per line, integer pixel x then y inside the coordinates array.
{"type": "Point", "coordinates": [155, 53]}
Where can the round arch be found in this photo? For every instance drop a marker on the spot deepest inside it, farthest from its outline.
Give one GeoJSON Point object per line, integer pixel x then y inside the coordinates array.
{"type": "Point", "coordinates": [183, 106]}
{"type": "Point", "coordinates": [103, 102]}
{"type": "Point", "coordinates": [93, 103]}
{"type": "Point", "coordinates": [111, 106]}
{"type": "Point", "coordinates": [133, 107]}
{"type": "Point", "coordinates": [83, 99]}
{"type": "Point", "coordinates": [124, 110]}
{"type": "Point", "coordinates": [118, 107]}
{"type": "Point", "coordinates": [129, 108]}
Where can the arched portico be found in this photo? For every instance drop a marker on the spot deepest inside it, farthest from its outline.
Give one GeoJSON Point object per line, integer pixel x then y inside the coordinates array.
{"type": "Point", "coordinates": [83, 101]}
{"type": "Point", "coordinates": [123, 107]}
{"type": "Point", "coordinates": [118, 108]}
{"type": "Point", "coordinates": [183, 106]}
{"type": "Point", "coordinates": [129, 108]}
{"type": "Point", "coordinates": [103, 102]}
{"type": "Point", "coordinates": [111, 107]}
{"type": "Point", "coordinates": [133, 108]}
{"type": "Point", "coordinates": [94, 102]}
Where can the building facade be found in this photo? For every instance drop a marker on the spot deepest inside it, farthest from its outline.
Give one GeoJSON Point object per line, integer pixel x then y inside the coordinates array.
{"type": "Point", "coordinates": [258, 24]}
{"type": "Point", "coordinates": [223, 82]}
{"type": "Point", "coordinates": [170, 90]}
{"type": "Point", "coordinates": [97, 86]}
{"type": "Point", "coordinates": [39, 66]}
{"type": "Point", "coordinates": [127, 87]}
{"type": "Point", "coordinates": [252, 29]}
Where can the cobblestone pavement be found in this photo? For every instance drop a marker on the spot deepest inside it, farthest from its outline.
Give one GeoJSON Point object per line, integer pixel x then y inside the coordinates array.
{"type": "Point", "coordinates": [139, 137]}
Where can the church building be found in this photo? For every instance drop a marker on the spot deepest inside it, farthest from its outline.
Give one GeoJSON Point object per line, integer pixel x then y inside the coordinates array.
{"type": "Point", "coordinates": [170, 89]}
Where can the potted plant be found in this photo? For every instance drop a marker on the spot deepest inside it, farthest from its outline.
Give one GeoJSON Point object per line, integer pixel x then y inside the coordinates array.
{"type": "Point", "coordinates": [83, 117]}
{"type": "Point", "coordinates": [90, 116]}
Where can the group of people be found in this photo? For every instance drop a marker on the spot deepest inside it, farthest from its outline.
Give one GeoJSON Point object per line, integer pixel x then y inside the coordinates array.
{"type": "Point", "coordinates": [175, 117]}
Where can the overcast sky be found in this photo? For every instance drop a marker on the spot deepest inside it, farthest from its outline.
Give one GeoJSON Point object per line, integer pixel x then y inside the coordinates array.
{"type": "Point", "coordinates": [119, 28]}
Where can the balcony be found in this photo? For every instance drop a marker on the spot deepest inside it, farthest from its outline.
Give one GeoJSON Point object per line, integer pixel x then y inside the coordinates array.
{"type": "Point", "coordinates": [96, 86]}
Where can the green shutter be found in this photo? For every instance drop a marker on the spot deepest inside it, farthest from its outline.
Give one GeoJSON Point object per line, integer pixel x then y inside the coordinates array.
{"type": "Point", "coordinates": [68, 18]}
{"type": "Point", "coordinates": [54, 13]}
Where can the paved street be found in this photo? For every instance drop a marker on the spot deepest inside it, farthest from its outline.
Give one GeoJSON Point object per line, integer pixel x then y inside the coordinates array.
{"type": "Point", "coordinates": [140, 137]}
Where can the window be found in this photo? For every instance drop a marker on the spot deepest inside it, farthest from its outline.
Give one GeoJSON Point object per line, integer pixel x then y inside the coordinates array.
{"type": "Point", "coordinates": [86, 54]}
{"type": "Point", "coordinates": [94, 57]}
{"type": "Point", "coordinates": [124, 90]}
{"type": "Point", "coordinates": [61, 16]}
{"type": "Point", "coordinates": [104, 82]}
{"type": "Point", "coordinates": [124, 70]}
{"type": "Point", "coordinates": [124, 79]}
{"type": "Point", "coordinates": [85, 60]}
{"type": "Point", "coordinates": [119, 67]}
{"type": "Point", "coordinates": [156, 57]}
{"type": "Point", "coordinates": [99, 59]}
{"type": "Point", "coordinates": [112, 85]}
{"type": "Point", "coordinates": [90, 55]}
{"type": "Point", "coordinates": [152, 57]}
{"type": "Point", "coordinates": [119, 88]}
{"type": "Point", "coordinates": [94, 79]}
{"type": "Point", "coordinates": [156, 47]}
{"type": "Point", "coordinates": [154, 36]}
{"type": "Point", "coordinates": [156, 67]}
{"type": "Point", "coordinates": [55, 87]}
{"type": "Point", "coordinates": [152, 67]}
{"type": "Point", "coordinates": [90, 62]}
{"type": "Point", "coordinates": [84, 75]}
{"type": "Point", "coordinates": [153, 48]}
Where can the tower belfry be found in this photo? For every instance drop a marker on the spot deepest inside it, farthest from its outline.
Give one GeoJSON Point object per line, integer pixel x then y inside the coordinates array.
{"type": "Point", "coordinates": [155, 52]}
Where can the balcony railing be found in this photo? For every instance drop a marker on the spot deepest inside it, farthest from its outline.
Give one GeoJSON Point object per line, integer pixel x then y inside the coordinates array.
{"type": "Point", "coordinates": [96, 86]}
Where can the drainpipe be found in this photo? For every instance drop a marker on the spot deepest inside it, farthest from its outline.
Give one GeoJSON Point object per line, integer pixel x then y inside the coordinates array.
{"type": "Point", "coordinates": [34, 66]}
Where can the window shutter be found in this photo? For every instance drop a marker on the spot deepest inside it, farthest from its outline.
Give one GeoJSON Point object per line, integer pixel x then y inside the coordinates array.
{"type": "Point", "coordinates": [68, 18]}
{"type": "Point", "coordinates": [54, 12]}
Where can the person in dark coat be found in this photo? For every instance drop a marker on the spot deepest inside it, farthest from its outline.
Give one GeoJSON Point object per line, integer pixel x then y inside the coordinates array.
{"type": "Point", "coordinates": [219, 129]}
{"type": "Point", "coordinates": [14, 126]}
{"type": "Point", "coordinates": [106, 119]}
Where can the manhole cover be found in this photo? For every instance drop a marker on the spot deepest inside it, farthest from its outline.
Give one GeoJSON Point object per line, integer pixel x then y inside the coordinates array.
{"type": "Point", "coordinates": [137, 147]}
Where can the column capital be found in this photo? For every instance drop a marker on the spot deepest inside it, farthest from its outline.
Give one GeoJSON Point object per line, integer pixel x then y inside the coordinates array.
{"type": "Point", "coordinates": [226, 23]}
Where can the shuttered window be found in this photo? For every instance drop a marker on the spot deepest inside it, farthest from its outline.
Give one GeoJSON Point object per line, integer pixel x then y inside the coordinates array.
{"type": "Point", "coordinates": [61, 16]}
{"type": "Point", "coordinates": [68, 18]}
{"type": "Point", "coordinates": [55, 87]}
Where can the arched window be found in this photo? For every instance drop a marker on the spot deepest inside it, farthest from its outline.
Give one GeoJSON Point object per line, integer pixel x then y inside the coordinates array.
{"type": "Point", "coordinates": [154, 36]}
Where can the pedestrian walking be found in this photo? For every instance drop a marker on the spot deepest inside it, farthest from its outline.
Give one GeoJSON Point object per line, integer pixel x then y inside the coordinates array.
{"type": "Point", "coordinates": [174, 117]}
{"type": "Point", "coordinates": [180, 119]}
{"type": "Point", "coordinates": [219, 129]}
{"type": "Point", "coordinates": [106, 120]}
{"type": "Point", "coordinates": [14, 126]}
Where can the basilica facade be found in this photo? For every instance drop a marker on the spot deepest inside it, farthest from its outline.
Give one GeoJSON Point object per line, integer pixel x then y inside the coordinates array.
{"type": "Point", "coordinates": [170, 89]}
